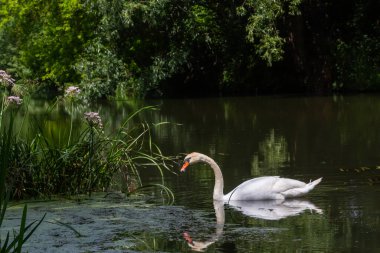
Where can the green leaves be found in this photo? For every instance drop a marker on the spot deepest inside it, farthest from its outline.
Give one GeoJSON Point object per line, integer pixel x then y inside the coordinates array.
{"type": "Point", "coordinates": [155, 47]}
{"type": "Point", "coordinates": [262, 27]}
{"type": "Point", "coordinates": [49, 36]}
{"type": "Point", "coordinates": [25, 232]}
{"type": "Point", "coordinates": [141, 46]}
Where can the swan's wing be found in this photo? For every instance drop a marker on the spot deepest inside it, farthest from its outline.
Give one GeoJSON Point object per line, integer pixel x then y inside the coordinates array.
{"type": "Point", "coordinates": [272, 187]}
{"type": "Point", "coordinates": [254, 189]}
{"type": "Point", "coordinates": [297, 188]}
{"type": "Point", "coordinates": [285, 184]}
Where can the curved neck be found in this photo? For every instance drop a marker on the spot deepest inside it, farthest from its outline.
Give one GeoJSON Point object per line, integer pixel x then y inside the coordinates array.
{"type": "Point", "coordinates": [218, 187]}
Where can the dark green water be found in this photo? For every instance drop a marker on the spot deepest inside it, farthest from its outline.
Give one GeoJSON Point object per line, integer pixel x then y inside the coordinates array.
{"type": "Point", "coordinates": [337, 138]}
{"type": "Point", "coordinates": [304, 138]}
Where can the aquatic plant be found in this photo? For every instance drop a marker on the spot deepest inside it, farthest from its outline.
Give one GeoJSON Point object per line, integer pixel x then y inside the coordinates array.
{"type": "Point", "coordinates": [93, 160]}
{"type": "Point", "coordinates": [7, 141]}
{"type": "Point", "coordinates": [88, 159]}
{"type": "Point", "coordinates": [93, 119]}
{"type": "Point", "coordinates": [6, 80]}
{"type": "Point", "coordinates": [72, 94]}
{"type": "Point", "coordinates": [72, 91]}
{"type": "Point", "coordinates": [14, 100]}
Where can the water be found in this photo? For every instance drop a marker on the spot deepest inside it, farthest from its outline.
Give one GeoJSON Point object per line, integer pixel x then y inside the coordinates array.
{"type": "Point", "coordinates": [304, 138]}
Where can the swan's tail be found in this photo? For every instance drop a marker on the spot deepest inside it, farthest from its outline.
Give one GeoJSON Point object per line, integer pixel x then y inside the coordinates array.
{"type": "Point", "coordinates": [301, 191]}
{"type": "Point", "coordinates": [312, 184]}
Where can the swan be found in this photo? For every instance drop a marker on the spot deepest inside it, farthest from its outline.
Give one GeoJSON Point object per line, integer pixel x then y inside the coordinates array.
{"type": "Point", "coordinates": [260, 188]}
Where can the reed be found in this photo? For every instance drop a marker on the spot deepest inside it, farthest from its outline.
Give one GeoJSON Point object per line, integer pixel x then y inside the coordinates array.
{"type": "Point", "coordinates": [39, 166]}
{"type": "Point", "coordinates": [11, 243]}
{"type": "Point", "coordinates": [85, 161]}
{"type": "Point", "coordinates": [43, 165]}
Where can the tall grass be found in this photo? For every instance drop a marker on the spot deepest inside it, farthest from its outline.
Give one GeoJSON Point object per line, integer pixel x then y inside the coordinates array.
{"type": "Point", "coordinates": [7, 141]}
{"type": "Point", "coordinates": [43, 165]}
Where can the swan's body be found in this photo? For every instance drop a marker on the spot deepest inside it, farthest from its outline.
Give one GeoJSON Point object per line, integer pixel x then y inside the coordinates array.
{"type": "Point", "coordinates": [261, 188]}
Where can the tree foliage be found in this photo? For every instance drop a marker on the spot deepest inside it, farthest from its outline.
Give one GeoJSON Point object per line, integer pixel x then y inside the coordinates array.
{"type": "Point", "coordinates": [167, 47]}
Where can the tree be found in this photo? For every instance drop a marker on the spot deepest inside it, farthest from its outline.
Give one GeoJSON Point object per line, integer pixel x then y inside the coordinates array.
{"type": "Point", "coordinates": [44, 38]}
{"type": "Point", "coordinates": [162, 48]}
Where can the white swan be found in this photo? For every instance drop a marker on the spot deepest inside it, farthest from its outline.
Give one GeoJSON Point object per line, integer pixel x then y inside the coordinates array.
{"type": "Point", "coordinates": [261, 188]}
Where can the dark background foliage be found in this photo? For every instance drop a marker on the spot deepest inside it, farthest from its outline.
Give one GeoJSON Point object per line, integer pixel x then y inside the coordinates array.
{"type": "Point", "coordinates": [192, 48]}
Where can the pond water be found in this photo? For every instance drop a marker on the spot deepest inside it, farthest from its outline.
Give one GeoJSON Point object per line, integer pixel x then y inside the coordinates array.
{"type": "Point", "coordinates": [334, 137]}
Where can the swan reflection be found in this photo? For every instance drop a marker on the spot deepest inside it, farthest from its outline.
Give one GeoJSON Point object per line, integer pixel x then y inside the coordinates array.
{"type": "Point", "coordinates": [220, 218]}
{"type": "Point", "coordinates": [273, 209]}
{"type": "Point", "coordinates": [267, 210]}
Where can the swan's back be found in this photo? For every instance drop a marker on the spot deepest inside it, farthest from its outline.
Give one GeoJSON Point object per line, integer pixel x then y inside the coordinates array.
{"type": "Point", "coordinates": [273, 187]}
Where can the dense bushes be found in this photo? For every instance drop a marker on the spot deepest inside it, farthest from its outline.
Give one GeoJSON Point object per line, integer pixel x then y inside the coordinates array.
{"type": "Point", "coordinates": [165, 47]}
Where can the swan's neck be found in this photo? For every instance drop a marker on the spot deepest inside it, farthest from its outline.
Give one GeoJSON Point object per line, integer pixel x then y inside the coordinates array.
{"type": "Point", "coordinates": [218, 187]}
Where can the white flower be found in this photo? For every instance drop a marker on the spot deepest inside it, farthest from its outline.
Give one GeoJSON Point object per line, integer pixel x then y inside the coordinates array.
{"type": "Point", "coordinates": [93, 119]}
{"type": "Point", "coordinates": [72, 91]}
{"type": "Point", "coordinates": [14, 100]}
{"type": "Point", "coordinates": [6, 79]}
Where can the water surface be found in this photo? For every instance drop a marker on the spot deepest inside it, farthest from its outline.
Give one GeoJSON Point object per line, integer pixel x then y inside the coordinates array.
{"type": "Point", "coordinates": [304, 138]}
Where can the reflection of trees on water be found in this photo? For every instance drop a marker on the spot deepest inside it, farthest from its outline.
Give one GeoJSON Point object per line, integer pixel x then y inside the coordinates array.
{"type": "Point", "coordinates": [309, 130]}
{"type": "Point", "coordinates": [273, 154]}
{"type": "Point", "coordinates": [255, 136]}
{"type": "Point", "coordinates": [53, 118]}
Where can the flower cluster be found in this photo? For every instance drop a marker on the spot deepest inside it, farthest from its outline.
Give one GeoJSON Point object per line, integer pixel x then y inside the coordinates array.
{"type": "Point", "coordinates": [72, 91]}
{"type": "Point", "coordinates": [93, 119]}
{"type": "Point", "coordinates": [14, 100]}
{"type": "Point", "coordinates": [6, 79]}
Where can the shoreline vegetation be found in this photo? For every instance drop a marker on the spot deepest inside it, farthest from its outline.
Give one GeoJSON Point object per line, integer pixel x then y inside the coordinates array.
{"type": "Point", "coordinates": [163, 48]}
{"type": "Point", "coordinates": [78, 51]}
{"type": "Point", "coordinates": [41, 165]}
{"type": "Point", "coordinates": [81, 161]}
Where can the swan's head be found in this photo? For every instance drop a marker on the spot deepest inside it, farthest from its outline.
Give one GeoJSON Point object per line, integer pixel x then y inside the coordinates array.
{"type": "Point", "coordinates": [196, 246]}
{"type": "Point", "coordinates": [191, 159]}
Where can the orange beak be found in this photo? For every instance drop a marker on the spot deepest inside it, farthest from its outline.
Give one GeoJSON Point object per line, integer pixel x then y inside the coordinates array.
{"type": "Point", "coordinates": [184, 166]}
{"type": "Point", "coordinates": [187, 237]}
